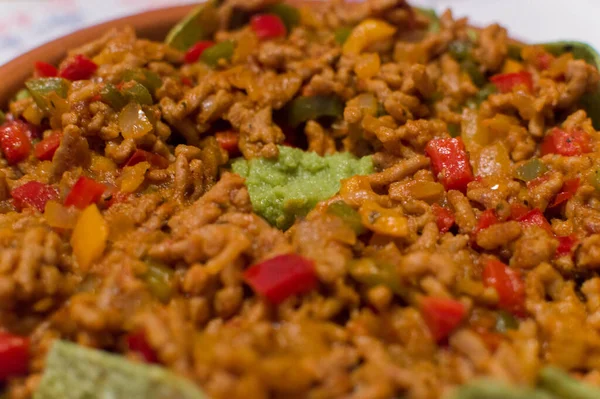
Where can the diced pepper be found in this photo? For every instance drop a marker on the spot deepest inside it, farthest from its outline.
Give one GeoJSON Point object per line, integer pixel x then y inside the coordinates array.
{"type": "Point", "coordinates": [45, 149]}
{"type": "Point", "coordinates": [133, 122]}
{"type": "Point", "coordinates": [486, 219]}
{"type": "Point", "coordinates": [15, 141]}
{"type": "Point", "coordinates": [85, 192]}
{"type": "Point", "coordinates": [473, 70]}
{"type": "Point", "coordinates": [572, 143]}
{"type": "Point", "coordinates": [366, 33]}
{"type": "Point", "coordinates": [506, 321]}
{"type": "Point", "coordinates": [512, 66]}
{"type": "Point", "coordinates": [442, 315]}
{"type": "Point", "coordinates": [450, 163]}
{"type": "Point", "coordinates": [220, 51]}
{"type": "Point", "coordinates": [389, 222]}
{"type": "Point", "coordinates": [288, 14]}
{"type": "Point", "coordinates": [137, 342]}
{"type": "Point", "coordinates": [14, 355]}
{"type": "Point", "coordinates": [493, 160]}
{"type": "Point", "coordinates": [567, 192]}
{"type": "Point", "coordinates": [79, 67]}
{"type": "Point", "coordinates": [535, 217]}
{"type": "Point", "coordinates": [89, 237]}
{"type": "Point", "coordinates": [132, 177]}
{"type": "Point", "coordinates": [34, 194]}
{"type": "Point", "coordinates": [22, 95]}
{"type": "Point", "coordinates": [509, 285]}
{"type": "Point", "coordinates": [110, 95]}
{"type": "Point", "coordinates": [45, 70]}
{"type": "Point", "coordinates": [303, 109]}
{"type": "Point", "coordinates": [268, 26]}
{"type": "Point", "coordinates": [60, 216]}
{"type": "Point", "coordinates": [506, 82]}
{"type": "Point", "coordinates": [460, 50]}
{"type": "Point", "coordinates": [137, 93]}
{"type": "Point", "coordinates": [280, 277]}
{"type": "Point", "coordinates": [194, 53]}
{"type": "Point", "coordinates": [453, 129]}
{"type": "Point", "coordinates": [530, 170]}
{"type": "Point", "coordinates": [561, 385]}
{"type": "Point", "coordinates": [229, 141]}
{"type": "Point", "coordinates": [367, 65]}
{"type": "Point", "coordinates": [431, 15]}
{"type": "Point", "coordinates": [155, 160]}
{"type": "Point", "coordinates": [159, 278]}
{"type": "Point", "coordinates": [372, 273]}
{"type": "Point", "coordinates": [41, 89]}
{"type": "Point", "coordinates": [482, 95]}
{"type": "Point", "coordinates": [538, 180]}
{"type": "Point", "coordinates": [348, 214]}
{"type": "Point", "coordinates": [147, 78]}
{"type": "Point", "coordinates": [444, 218]}
{"type": "Point", "coordinates": [197, 25]}
{"type": "Point", "coordinates": [342, 34]}
{"type": "Point", "coordinates": [518, 210]}
{"type": "Point", "coordinates": [428, 191]}
{"type": "Point", "coordinates": [566, 245]}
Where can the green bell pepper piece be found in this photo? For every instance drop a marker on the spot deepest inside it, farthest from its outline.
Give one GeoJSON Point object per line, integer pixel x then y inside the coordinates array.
{"type": "Point", "coordinates": [373, 273]}
{"type": "Point", "coordinates": [303, 109]}
{"type": "Point", "coordinates": [454, 129]}
{"type": "Point", "coordinates": [533, 169]}
{"type": "Point", "coordinates": [159, 279]}
{"type": "Point", "coordinates": [40, 88]}
{"type": "Point", "coordinates": [594, 179]}
{"type": "Point", "coordinates": [110, 95]}
{"type": "Point", "coordinates": [563, 386]}
{"type": "Point", "coordinates": [288, 14]}
{"type": "Point", "coordinates": [506, 321]}
{"type": "Point", "coordinates": [348, 214]}
{"type": "Point", "coordinates": [514, 52]}
{"type": "Point", "coordinates": [198, 25]}
{"type": "Point", "coordinates": [490, 389]}
{"type": "Point", "coordinates": [472, 69]}
{"type": "Point", "coordinates": [146, 77]}
{"type": "Point", "coordinates": [223, 50]}
{"type": "Point", "coordinates": [22, 94]}
{"type": "Point", "coordinates": [434, 20]}
{"type": "Point", "coordinates": [482, 95]}
{"type": "Point", "coordinates": [342, 34]}
{"type": "Point", "coordinates": [136, 92]}
{"type": "Point", "coordinates": [460, 50]}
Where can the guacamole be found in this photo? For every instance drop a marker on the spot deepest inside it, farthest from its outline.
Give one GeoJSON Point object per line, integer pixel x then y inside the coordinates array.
{"type": "Point", "coordinates": [76, 372]}
{"type": "Point", "coordinates": [290, 186]}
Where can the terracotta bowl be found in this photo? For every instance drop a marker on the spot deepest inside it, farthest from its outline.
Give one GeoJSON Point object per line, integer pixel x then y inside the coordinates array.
{"type": "Point", "coordinates": [151, 24]}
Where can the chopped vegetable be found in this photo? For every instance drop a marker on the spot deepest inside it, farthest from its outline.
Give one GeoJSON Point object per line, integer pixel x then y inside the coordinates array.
{"type": "Point", "coordinates": [194, 53]}
{"type": "Point", "coordinates": [535, 217]}
{"type": "Point", "coordinates": [509, 285]}
{"type": "Point", "coordinates": [431, 15]}
{"type": "Point", "coordinates": [506, 82]}
{"type": "Point", "coordinates": [460, 50]}
{"type": "Point", "coordinates": [568, 190]}
{"type": "Point", "coordinates": [366, 33]}
{"type": "Point", "coordinates": [342, 34]}
{"type": "Point", "coordinates": [45, 70]}
{"type": "Point", "coordinates": [450, 163]}
{"type": "Point", "coordinates": [197, 25]}
{"type": "Point", "coordinates": [493, 160]}
{"type": "Point", "coordinates": [147, 78]}
{"type": "Point", "coordinates": [389, 222]}
{"type": "Point", "coordinates": [482, 95]}
{"type": "Point", "coordinates": [229, 141]}
{"type": "Point", "coordinates": [530, 170]}
{"type": "Point", "coordinates": [45, 149]}
{"type": "Point", "coordinates": [15, 141]}
{"type": "Point", "coordinates": [135, 92]}
{"type": "Point", "coordinates": [280, 277]}
{"type": "Point", "coordinates": [159, 278]}
{"type": "Point", "coordinates": [444, 218]}
{"type": "Point", "coordinates": [137, 342]}
{"type": "Point", "coordinates": [22, 95]}
{"type": "Point", "coordinates": [34, 194]}
{"type": "Point", "coordinates": [303, 109]}
{"type": "Point", "coordinates": [562, 385]}
{"type": "Point", "coordinates": [517, 210]}
{"type": "Point", "coordinates": [474, 72]}
{"type": "Point", "coordinates": [568, 143]}
{"type": "Point", "coordinates": [489, 389]}
{"type": "Point", "coordinates": [486, 219]}
{"type": "Point", "coordinates": [442, 315]}
{"type": "Point", "coordinates": [41, 89]}
{"type": "Point", "coordinates": [373, 273]}
{"type": "Point", "coordinates": [348, 214]}
{"type": "Point", "coordinates": [566, 245]}
{"type": "Point", "coordinates": [79, 67]}
{"type": "Point", "coordinates": [505, 321]}
{"type": "Point", "coordinates": [132, 177]}
{"type": "Point", "coordinates": [220, 51]}
{"type": "Point", "coordinates": [110, 95]}
{"type": "Point", "coordinates": [89, 237]}
{"type": "Point", "coordinates": [133, 122]}
{"type": "Point", "coordinates": [288, 14]}
{"type": "Point", "coordinates": [367, 65]}
{"type": "Point", "coordinates": [153, 159]}
{"type": "Point", "coordinates": [60, 216]}
{"type": "Point", "coordinates": [14, 355]}
{"type": "Point", "coordinates": [85, 192]}
{"type": "Point", "coordinates": [268, 26]}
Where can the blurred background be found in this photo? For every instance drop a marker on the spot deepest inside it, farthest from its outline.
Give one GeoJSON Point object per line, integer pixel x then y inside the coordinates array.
{"type": "Point", "coordinates": [25, 24]}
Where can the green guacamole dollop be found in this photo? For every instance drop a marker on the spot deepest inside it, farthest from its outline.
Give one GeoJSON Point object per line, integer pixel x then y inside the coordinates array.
{"type": "Point", "coordinates": [290, 186]}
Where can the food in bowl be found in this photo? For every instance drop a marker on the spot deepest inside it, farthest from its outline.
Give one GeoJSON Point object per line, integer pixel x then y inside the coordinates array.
{"type": "Point", "coordinates": [303, 201]}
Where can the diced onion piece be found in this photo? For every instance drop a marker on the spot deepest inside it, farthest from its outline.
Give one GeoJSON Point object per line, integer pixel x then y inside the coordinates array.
{"type": "Point", "coordinates": [59, 216]}
{"type": "Point", "coordinates": [133, 122]}
{"type": "Point", "coordinates": [366, 33]}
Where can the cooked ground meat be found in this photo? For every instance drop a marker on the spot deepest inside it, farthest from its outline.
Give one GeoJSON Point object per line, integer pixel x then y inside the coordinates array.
{"type": "Point", "coordinates": [471, 251]}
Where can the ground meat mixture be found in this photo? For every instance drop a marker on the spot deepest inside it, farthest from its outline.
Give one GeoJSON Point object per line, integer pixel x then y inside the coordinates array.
{"type": "Point", "coordinates": [471, 251]}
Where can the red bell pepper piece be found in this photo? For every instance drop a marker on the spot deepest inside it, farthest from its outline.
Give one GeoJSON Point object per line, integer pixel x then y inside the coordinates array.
{"type": "Point", "coordinates": [45, 149]}
{"type": "Point", "coordinates": [14, 355]}
{"type": "Point", "coordinates": [34, 194]}
{"type": "Point", "coordinates": [572, 143]}
{"type": "Point", "coordinates": [450, 163]}
{"type": "Point", "coordinates": [281, 277]}
{"type": "Point", "coordinates": [543, 60]}
{"type": "Point", "coordinates": [228, 141]}
{"type": "Point", "coordinates": [137, 342]}
{"type": "Point", "coordinates": [85, 192]}
{"type": "Point", "coordinates": [506, 82]}
{"type": "Point", "coordinates": [15, 141]}
{"type": "Point", "coordinates": [567, 192]}
{"type": "Point", "coordinates": [78, 67]}
{"type": "Point", "coordinates": [150, 157]}
{"type": "Point", "coordinates": [535, 217]}
{"type": "Point", "coordinates": [186, 81]}
{"type": "Point", "coordinates": [486, 219]}
{"type": "Point", "coordinates": [566, 245]}
{"type": "Point", "coordinates": [444, 218]}
{"type": "Point", "coordinates": [509, 285]}
{"type": "Point", "coordinates": [194, 53]}
{"type": "Point", "coordinates": [517, 210]}
{"type": "Point", "coordinates": [442, 315]}
{"type": "Point", "coordinates": [45, 70]}
{"type": "Point", "coordinates": [268, 26]}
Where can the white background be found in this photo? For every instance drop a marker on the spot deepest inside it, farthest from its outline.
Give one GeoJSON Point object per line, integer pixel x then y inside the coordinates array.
{"type": "Point", "coordinates": [25, 24]}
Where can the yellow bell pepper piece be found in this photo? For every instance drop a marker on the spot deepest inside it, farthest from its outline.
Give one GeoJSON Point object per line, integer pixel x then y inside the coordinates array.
{"type": "Point", "coordinates": [132, 177]}
{"type": "Point", "coordinates": [366, 33]}
{"type": "Point", "coordinates": [493, 160]}
{"type": "Point", "coordinates": [389, 222]}
{"type": "Point", "coordinates": [473, 132]}
{"type": "Point", "coordinates": [511, 66]}
{"type": "Point", "coordinates": [89, 237]}
{"type": "Point", "coordinates": [367, 65]}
